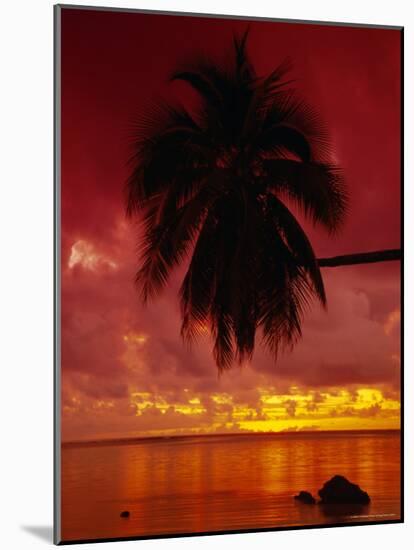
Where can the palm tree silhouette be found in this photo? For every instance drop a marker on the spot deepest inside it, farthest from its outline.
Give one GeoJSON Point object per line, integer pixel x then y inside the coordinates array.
{"type": "Point", "coordinates": [214, 186]}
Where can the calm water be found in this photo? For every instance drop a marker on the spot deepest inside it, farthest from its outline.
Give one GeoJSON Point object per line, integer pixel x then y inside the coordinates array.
{"type": "Point", "coordinates": [223, 482]}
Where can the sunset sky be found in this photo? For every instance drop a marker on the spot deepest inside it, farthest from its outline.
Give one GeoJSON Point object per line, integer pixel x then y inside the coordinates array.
{"type": "Point", "coordinates": [125, 370]}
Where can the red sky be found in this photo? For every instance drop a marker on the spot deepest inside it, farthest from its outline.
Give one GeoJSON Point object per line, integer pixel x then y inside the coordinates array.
{"type": "Point", "coordinates": [125, 370]}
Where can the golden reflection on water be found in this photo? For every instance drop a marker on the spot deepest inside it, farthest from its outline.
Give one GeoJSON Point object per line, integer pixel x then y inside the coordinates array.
{"type": "Point", "coordinates": [228, 482]}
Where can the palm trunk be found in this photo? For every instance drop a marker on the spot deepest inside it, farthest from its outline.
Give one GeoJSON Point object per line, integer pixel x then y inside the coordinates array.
{"type": "Point", "coordinates": [362, 258]}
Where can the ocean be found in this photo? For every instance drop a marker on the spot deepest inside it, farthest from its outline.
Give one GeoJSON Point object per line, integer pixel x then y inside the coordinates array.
{"type": "Point", "coordinates": [222, 482]}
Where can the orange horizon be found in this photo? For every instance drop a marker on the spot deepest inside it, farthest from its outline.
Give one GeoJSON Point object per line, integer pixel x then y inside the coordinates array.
{"type": "Point", "coordinates": [235, 433]}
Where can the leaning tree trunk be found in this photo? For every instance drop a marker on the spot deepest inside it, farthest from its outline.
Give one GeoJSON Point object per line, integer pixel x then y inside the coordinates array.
{"type": "Point", "coordinates": [362, 258]}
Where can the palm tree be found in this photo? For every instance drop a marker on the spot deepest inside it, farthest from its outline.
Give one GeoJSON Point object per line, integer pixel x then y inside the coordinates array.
{"type": "Point", "coordinates": [214, 187]}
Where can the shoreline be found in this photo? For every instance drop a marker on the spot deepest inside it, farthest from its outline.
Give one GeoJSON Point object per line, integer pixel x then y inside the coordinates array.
{"type": "Point", "coordinates": [184, 437]}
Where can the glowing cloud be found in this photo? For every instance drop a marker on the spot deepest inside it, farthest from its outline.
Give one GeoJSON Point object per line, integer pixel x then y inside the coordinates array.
{"type": "Point", "coordinates": [393, 321]}
{"type": "Point", "coordinates": [84, 254]}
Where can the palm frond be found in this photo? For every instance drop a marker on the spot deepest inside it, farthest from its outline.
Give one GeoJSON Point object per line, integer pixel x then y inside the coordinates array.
{"type": "Point", "coordinates": [300, 247]}
{"type": "Point", "coordinates": [318, 189]}
{"type": "Point", "coordinates": [281, 138]}
{"type": "Point", "coordinates": [169, 143]}
{"type": "Point", "coordinates": [287, 109]}
{"type": "Point", "coordinates": [199, 282]}
{"type": "Point", "coordinates": [171, 233]}
{"type": "Point", "coordinates": [210, 185]}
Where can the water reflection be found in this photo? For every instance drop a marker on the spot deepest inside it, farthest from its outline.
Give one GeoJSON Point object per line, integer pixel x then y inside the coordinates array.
{"type": "Point", "coordinates": [222, 482]}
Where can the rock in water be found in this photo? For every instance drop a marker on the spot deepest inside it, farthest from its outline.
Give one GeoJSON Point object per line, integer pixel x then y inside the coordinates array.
{"type": "Point", "coordinates": [305, 497]}
{"type": "Point", "coordinates": [339, 490]}
{"type": "Point", "coordinates": [125, 514]}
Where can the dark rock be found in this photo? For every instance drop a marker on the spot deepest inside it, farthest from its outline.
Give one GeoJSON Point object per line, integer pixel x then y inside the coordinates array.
{"type": "Point", "coordinates": [125, 514]}
{"type": "Point", "coordinates": [339, 490]}
{"type": "Point", "coordinates": [305, 497]}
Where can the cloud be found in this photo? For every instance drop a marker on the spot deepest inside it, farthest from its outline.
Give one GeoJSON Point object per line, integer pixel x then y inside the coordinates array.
{"type": "Point", "coordinates": [290, 406]}
{"type": "Point", "coordinates": [83, 253]}
{"type": "Point", "coordinates": [114, 348]}
{"type": "Point", "coordinates": [115, 351]}
{"type": "Point", "coordinates": [345, 345]}
{"type": "Point", "coordinates": [392, 323]}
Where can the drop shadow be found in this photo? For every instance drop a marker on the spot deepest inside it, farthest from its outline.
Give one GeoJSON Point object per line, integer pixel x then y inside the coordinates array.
{"type": "Point", "coordinates": [43, 532]}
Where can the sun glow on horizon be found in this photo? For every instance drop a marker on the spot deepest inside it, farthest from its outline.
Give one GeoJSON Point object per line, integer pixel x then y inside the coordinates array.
{"type": "Point", "coordinates": [157, 414]}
